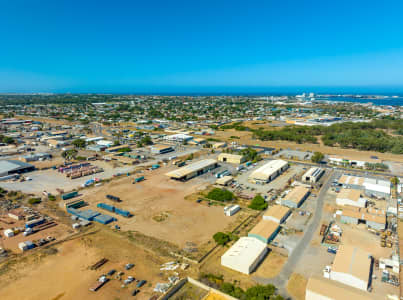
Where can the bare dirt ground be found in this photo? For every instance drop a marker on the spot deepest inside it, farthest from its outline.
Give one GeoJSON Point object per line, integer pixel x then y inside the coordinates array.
{"type": "Point", "coordinates": [246, 138]}
{"type": "Point", "coordinates": [271, 266]}
{"type": "Point", "coordinates": [65, 274]}
{"type": "Point", "coordinates": [59, 231]}
{"type": "Point", "coordinates": [296, 286]}
{"type": "Point", "coordinates": [159, 208]}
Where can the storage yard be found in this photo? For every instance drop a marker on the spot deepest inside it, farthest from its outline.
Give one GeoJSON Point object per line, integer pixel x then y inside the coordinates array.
{"type": "Point", "coordinates": [159, 208]}
{"type": "Point", "coordinates": [41, 273]}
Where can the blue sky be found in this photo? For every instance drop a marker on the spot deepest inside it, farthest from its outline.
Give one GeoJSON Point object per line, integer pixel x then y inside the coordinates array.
{"type": "Point", "coordinates": [168, 46]}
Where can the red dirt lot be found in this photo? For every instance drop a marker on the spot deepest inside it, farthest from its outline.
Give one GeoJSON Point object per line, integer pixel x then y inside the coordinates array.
{"type": "Point", "coordinates": [65, 275]}
{"type": "Point", "coordinates": [160, 209]}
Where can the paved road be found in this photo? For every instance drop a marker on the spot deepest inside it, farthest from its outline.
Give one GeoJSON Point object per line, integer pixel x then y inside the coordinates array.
{"type": "Point", "coordinates": [280, 281]}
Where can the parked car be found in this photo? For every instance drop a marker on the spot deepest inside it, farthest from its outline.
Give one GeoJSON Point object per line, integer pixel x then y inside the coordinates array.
{"type": "Point", "coordinates": [135, 292]}
{"type": "Point", "coordinates": [332, 250]}
{"type": "Point", "coordinates": [111, 272]}
{"type": "Point", "coordinates": [141, 283]}
{"type": "Point", "coordinates": [129, 266]}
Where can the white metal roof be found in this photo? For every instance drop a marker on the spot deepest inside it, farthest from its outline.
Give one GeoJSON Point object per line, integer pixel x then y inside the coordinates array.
{"type": "Point", "coordinates": [265, 171]}
{"type": "Point", "coordinates": [378, 185]}
{"type": "Point", "coordinates": [244, 252]}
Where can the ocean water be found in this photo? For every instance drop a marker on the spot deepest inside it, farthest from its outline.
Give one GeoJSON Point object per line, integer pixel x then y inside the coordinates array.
{"type": "Point", "coordinates": [383, 101]}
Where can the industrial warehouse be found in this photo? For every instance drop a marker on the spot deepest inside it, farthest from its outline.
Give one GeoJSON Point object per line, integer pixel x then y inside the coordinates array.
{"type": "Point", "coordinates": [352, 266]}
{"type": "Point", "coordinates": [277, 213]}
{"type": "Point", "coordinates": [313, 175]}
{"type": "Point", "coordinates": [10, 167]}
{"type": "Point", "coordinates": [296, 197]}
{"type": "Point", "coordinates": [268, 172]}
{"type": "Point", "coordinates": [351, 197]}
{"type": "Point", "coordinates": [322, 288]}
{"type": "Point", "coordinates": [161, 149]}
{"type": "Point", "coordinates": [244, 255]}
{"type": "Point", "coordinates": [265, 231]}
{"type": "Point", "coordinates": [231, 158]}
{"type": "Point", "coordinates": [372, 218]}
{"type": "Point", "coordinates": [371, 186]}
{"type": "Point", "coordinates": [193, 170]}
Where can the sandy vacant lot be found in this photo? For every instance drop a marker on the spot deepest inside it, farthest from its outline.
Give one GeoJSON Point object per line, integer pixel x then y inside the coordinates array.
{"type": "Point", "coordinates": [246, 138]}
{"type": "Point", "coordinates": [66, 274]}
{"type": "Point", "coordinates": [159, 208]}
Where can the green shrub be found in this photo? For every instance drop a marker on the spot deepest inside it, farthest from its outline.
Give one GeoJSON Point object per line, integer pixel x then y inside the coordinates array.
{"type": "Point", "coordinates": [220, 195]}
{"type": "Point", "coordinates": [34, 201]}
{"type": "Point", "coordinates": [258, 203]}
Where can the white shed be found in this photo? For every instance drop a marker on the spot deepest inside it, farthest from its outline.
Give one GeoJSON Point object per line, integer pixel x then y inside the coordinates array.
{"type": "Point", "coordinates": [244, 255]}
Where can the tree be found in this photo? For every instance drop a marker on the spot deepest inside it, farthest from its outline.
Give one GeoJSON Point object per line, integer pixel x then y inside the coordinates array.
{"type": "Point", "coordinates": [69, 154]}
{"type": "Point", "coordinates": [394, 181]}
{"type": "Point", "coordinates": [317, 157]}
{"type": "Point", "coordinates": [78, 143]}
{"type": "Point", "coordinates": [220, 195]}
{"type": "Point", "coordinates": [221, 238]}
{"type": "Point", "coordinates": [258, 203]}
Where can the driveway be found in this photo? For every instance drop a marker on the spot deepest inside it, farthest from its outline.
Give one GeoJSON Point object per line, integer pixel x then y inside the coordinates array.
{"type": "Point", "coordinates": [280, 281]}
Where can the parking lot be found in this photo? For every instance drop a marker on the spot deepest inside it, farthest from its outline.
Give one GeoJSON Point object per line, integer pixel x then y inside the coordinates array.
{"type": "Point", "coordinates": [277, 184]}
{"type": "Point", "coordinates": [50, 180]}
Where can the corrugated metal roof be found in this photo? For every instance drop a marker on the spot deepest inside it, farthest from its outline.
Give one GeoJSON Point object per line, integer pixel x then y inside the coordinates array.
{"type": "Point", "coordinates": [194, 167]}
{"type": "Point", "coordinates": [265, 171]}
{"type": "Point", "coordinates": [335, 290]}
{"type": "Point", "coordinates": [352, 260]}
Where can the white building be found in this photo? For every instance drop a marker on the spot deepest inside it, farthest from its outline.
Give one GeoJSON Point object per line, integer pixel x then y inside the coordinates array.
{"type": "Point", "coordinates": [244, 255]}
{"type": "Point", "coordinates": [268, 171]}
{"type": "Point", "coordinates": [105, 143]}
{"type": "Point", "coordinates": [180, 138]}
{"type": "Point", "coordinates": [313, 175]}
{"type": "Point", "coordinates": [231, 210]}
{"type": "Point", "coordinates": [352, 266]}
{"type": "Point", "coordinates": [351, 197]}
{"type": "Point", "coordinates": [324, 289]}
{"type": "Point", "coordinates": [377, 187]}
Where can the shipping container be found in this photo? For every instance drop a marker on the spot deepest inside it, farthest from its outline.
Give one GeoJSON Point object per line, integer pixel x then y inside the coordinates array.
{"type": "Point", "coordinates": [69, 195]}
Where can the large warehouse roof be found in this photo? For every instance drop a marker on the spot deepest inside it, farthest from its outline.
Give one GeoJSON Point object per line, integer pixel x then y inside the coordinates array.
{"type": "Point", "coordinates": [297, 194]}
{"type": "Point", "coordinates": [347, 179]}
{"type": "Point", "coordinates": [335, 290]}
{"type": "Point", "coordinates": [352, 260]}
{"type": "Point", "coordinates": [377, 185]}
{"type": "Point", "coordinates": [194, 167]}
{"type": "Point", "coordinates": [265, 171]}
{"type": "Point", "coordinates": [7, 166]}
{"type": "Point", "coordinates": [264, 229]}
{"type": "Point", "coordinates": [277, 211]}
{"type": "Point", "coordinates": [244, 252]}
{"type": "Point", "coordinates": [350, 194]}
